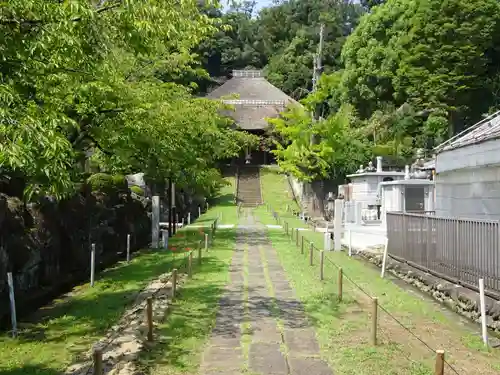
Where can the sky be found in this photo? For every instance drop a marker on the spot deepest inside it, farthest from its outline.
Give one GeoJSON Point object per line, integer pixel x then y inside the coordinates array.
{"type": "Point", "coordinates": [262, 3]}
{"type": "Point", "coordinates": [258, 6]}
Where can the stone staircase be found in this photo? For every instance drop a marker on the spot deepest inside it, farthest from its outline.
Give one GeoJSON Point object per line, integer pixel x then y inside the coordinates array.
{"type": "Point", "coordinates": [248, 190]}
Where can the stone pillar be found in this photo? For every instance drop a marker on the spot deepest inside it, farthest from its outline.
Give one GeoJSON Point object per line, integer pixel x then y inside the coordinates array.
{"type": "Point", "coordinates": [407, 172]}
{"type": "Point", "coordinates": [429, 206]}
{"type": "Point", "coordinates": [379, 164]}
{"type": "Point", "coordinates": [338, 225]}
{"type": "Point", "coordinates": [358, 210]}
{"type": "Point", "coordinates": [155, 222]}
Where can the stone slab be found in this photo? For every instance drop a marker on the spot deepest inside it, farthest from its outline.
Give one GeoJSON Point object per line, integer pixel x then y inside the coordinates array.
{"type": "Point", "coordinates": [301, 341]}
{"type": "Point", "coordinates": [308, 366]}
{"type": "Point", "coordinates": [266, 330]}
{"type": "Point", "coordinates": [267, 359]}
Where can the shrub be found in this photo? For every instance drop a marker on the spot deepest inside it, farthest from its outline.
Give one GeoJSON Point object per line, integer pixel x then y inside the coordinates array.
{"type": "Point", "coordinates": [106, 183]}
{"type": "Point", "coordinates": [137, 189]}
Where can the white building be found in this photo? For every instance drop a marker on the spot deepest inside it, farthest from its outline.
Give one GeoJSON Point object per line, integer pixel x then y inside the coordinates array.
{"type": "Point", "coordinates": [468, 172]}
{"type": "Point", "coordinates": [364, 186]}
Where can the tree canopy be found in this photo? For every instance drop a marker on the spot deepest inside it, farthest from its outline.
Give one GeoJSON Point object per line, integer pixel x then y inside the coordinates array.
{"type": "Point", "coordinates": [403, 74]}
{"type": "Point", "coordinates": [123, 81]}
{"type": "Point", "coordinates": [80, 78]}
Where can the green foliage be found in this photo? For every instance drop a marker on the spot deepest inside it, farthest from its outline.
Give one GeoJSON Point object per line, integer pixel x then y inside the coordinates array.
{"type": "Point", "coordinates": [79, 79]}
{"type": "Point", "coordinates": [339, 150]}
{"type": "Point", "coordinates": [137, 190]}
{"type": "Point", "coordinates": [432, 54]}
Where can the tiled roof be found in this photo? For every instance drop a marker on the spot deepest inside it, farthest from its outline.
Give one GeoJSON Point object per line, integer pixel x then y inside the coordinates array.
{"type": "Point", "coordinates": [484, 130]}
{"type": "Point", "coordinates": [256, 99]}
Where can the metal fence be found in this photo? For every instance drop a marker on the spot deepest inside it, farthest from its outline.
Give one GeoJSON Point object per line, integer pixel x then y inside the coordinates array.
{"type": "Point", "coordinates": [460, 250]}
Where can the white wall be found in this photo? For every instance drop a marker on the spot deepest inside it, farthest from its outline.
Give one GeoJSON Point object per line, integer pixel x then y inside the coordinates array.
{"type": "Point", "coordinates": [472, 156]}
{"type": "Point", "coordinates": [364, 189]}
{"type": "Point", "coordinates": [470, 192]}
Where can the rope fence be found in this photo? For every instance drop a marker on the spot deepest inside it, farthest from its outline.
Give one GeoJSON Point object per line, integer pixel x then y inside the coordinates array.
{"type": "Point", "coordinates": [96, 367]}
{"type": "Point", "coordinates": [316, 256]}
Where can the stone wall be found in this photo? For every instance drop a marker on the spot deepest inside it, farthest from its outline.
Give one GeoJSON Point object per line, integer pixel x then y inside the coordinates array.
{"type": "Point", "coordinates": [46, 245]}
{"type": "Point", "coordinates": [459, 299]}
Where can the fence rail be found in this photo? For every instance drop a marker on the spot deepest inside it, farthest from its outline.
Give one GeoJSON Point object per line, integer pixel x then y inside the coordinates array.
{"type": "Point", "coordinates": [461, 250]}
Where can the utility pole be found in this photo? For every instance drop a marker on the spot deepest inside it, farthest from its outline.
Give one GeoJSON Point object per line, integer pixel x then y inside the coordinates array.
{"type": "Point", "coordinates": [318, 64]}
{"type": "Point", "coordinates": [317, 68]}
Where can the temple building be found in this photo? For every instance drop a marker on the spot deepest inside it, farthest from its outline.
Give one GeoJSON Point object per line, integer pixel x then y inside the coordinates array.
{"type": "Point", "coordinates": [254, 99]}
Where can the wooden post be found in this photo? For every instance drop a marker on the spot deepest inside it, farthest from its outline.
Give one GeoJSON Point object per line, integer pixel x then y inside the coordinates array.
{"type": "Point", "coordinates": [92, 265]}
{"type": "Point", "coordinates": [206, 241]}
{"type": "Point", "coordinates": [311, 250]}
{"type": "Point", "coordinates": [174, 282]}
{"type": "Point", "coordinates": [439, 369]}
{"type": "Point", "coordinates": [97, 359]}
{"type": "Point", "coordinates": [13, 316]}
{"type": "Point", "coordinates": [374, 320]}
{"type": "Point", "coordinates": [150, 318]}
{"type": "Point", "coordinates": [297, 237]}
{"type": "Point", "coordinates": [190, 264]}
{"type": "Point", "coordinates": [302, 246]}
{"type": "Point", "coordinates": [322, 265]}
{"type": "Point", "coordinates": [199, 255]}
{"type": "Point", "coordinates": [128, 247]}
{"type": "Point", "coordinates": [155, 222]}
{"type": "Point", "coordinates": [482, 303]}
{"type": "Point", "coordinates": [340, 283]}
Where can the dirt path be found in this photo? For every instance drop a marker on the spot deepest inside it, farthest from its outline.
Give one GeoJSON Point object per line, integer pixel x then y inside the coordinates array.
{"type": "Point", "coordinates": [261, 327]}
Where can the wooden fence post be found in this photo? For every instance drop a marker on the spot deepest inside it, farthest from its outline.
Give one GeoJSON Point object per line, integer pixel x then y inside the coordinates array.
{"type": "Point", "coordinates": [340, 283]}
{"type": "Point", "coordinates": [199, 255]}
{"type": "Point", "coordinates": [206, 241]}
{"type": "Point", "coordinates": [302, 246]}
{"type": "Point", "coordinates": [321, 265]}
{"type": "Point", "coordinates": [439, 369]}
{"type": "Point", "coordinates": [13, 316]}
{"type": "Point", "coordinates": [311, 250]}
{"type": "Point", "coordinates": [150, 318]}
{"type": "Point", "coordinates": [97, 359]}
{"type": "Point", "coordinates": [128, 247]}
{"type": "Point", "coordinates": [190, 264]}
{"type": "Point", "coordinates": [374, 320]}
{"type": "Point", "coordinates": [174, 283]}
{"type": "Point", "coordinates": [92, 265]}
{"type": "Point", "coordinates": [297, 237]}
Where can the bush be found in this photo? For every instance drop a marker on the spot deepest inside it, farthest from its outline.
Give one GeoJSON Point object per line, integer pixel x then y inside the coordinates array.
{"type": "Point", "coordinates": [137, 189]}
{"type": "Point", "coordinates": [107, 183]}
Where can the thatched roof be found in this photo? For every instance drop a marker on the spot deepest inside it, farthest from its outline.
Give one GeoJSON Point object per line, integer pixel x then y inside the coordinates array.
{"type": "Point", "coordinates": [257, 99]}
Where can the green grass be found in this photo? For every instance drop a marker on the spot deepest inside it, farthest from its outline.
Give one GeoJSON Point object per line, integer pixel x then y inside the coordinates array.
{"type": "Point", "coordinates": [185, 331]}
{"type": "Point", "coordinates": [60, 334]}
{"type": "Point", "coordinates": [70, 326]}
{"type": "Point", "coordinates": [343, 329]}
{"type": "Point", "coordinates": [335, 322]}
{"type": "Point", "coordinates": [183, 334]}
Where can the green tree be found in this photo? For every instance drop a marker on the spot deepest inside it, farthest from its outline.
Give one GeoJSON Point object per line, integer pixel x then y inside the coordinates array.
{"type": "Point", "coordinates": [79, 79]}
{"type": "Point", "coordinates": [434, 55]}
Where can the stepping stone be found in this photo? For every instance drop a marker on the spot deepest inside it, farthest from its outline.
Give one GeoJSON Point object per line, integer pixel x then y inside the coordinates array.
{"type": "Point", "coordinates": [301, 341]}
{"type": "Point", "coordinates": [308, 366]}
{"type": "Point", "coordinates": [267, 359]}
{"type": "Point", "coordinates": [266, 331]}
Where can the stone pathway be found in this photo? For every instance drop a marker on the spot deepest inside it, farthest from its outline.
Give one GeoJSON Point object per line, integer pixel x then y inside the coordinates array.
{"type": "Point", "coordinates": [261, 327]}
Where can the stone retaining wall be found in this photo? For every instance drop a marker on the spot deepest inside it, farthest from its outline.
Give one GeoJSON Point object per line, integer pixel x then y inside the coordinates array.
{"type": "Point", "coordinates": [459, 299]}
{"type": "Point", "coordinates": [126, 340]}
